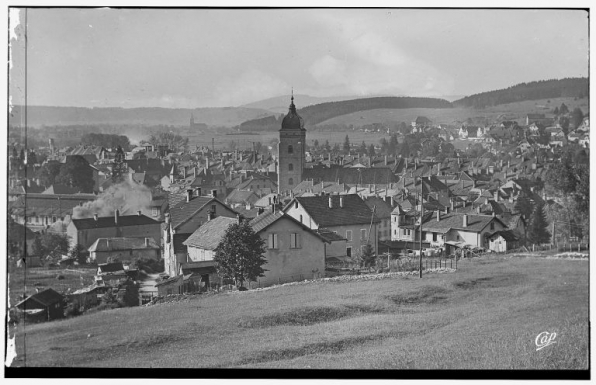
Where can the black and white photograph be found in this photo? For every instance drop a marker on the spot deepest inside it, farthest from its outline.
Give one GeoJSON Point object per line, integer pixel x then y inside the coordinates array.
{"type": "Point", "coordinates": [297, 192]}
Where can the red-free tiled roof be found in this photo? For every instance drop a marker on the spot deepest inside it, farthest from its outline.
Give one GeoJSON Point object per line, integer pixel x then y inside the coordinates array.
{"type": "Point", "coordinates": [354, 210]}
{"type": "Point", "coordinates": [123, 221]}
{"type": "Point", "coordinates": [210, 234]}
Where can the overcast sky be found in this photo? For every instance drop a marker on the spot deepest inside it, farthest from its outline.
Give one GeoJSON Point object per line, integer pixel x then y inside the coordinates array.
{"type": "Point", "coordinates": [211, 58]}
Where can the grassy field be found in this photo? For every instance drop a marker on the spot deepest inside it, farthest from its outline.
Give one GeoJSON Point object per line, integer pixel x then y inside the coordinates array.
{"type": "Point", "coordinates": [486, 315]}
{"type": "Point", "coordinates": [44, 278]}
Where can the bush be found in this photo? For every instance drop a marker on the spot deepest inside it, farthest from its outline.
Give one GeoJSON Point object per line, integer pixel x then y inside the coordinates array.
{"type": "Point", "coordinates": [59, 277]}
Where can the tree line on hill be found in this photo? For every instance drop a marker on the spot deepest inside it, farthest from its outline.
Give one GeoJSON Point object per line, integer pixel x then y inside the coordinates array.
{"type": "Point", "coordinates": [544, 89]}
{"type": "Point", "coordinates": [320, 112]}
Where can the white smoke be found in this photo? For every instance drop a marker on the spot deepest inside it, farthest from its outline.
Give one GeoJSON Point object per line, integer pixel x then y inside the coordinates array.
{"type": "Point", "coordinates": [128, 197]}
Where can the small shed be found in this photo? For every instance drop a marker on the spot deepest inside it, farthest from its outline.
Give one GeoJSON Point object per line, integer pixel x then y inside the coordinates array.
{"type": "Point", "coordinates": [43, 306]}
{"type": "Point", "coordinates": [504, 240]}
{"type": "Point", "coordinates": [172, 285]}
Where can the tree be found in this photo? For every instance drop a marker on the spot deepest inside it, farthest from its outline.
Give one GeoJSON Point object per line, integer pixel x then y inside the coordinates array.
{"type": "Point", "coordinates": [563, 109]}
{"type": "Point", "coordinates": [51, 246]}
{"type": "Point", "coordinates": [405, 150]}
{"type": "Point", "coordinates": [384, 146]}
{"type": "Point", "coordinates": [537, 232]}
{"type": "Point", "coordinates": [368, 256]}
{"type": "Point", "coordinates": [371, 150]}
{"type": "Point", "coordinates": [49, 172]}
{"type": "Point", "coordinates": [239, 255]}
{"type": "Point", "coordinates": [523, 205]}
{"type": "Point", "coordinates": [316, 143]}
{"type": "Point", "coordinates": [76, 172]}
{"type": "Point", "coordinates": [556, 111]}
{"type": "Point", "coordinates": [347, 145]}
{"type": "Point", "coordinates": [577, 117]}
{"type": "Point", "coordinates": [79, 253]}
{"type": "Point", "coordinates": [173, 141]}
{"type": "Point", "coordinates": [327, 146]}
{"type": "Point", "coordinates": [393, 144]}
{"type": "Point", "coordinates": [362, 148]}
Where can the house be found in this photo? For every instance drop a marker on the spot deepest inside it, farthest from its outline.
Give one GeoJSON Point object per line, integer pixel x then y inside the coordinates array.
{"type": "Point", "coordinates": [258, 184]}
{"type": "Point", "coordinates": [501, 241]}
{"type": "Point", "coordinates": [112, 273]}
{"type": "Point", "coordinates": [538, 118]}
{"type": "Point", "coordinates": [294, 252]}
{"type": "Point", "coordinates": [382, 209]}
{"type": "Point", "coordinates": [39, 211]}
{"type": "Point", "coordinates": [88, 297]}
{"type": "Point", "coordinates": [42, 306]}
{"type": "Point", "coordinates": [86, 231]}
{"type": "Point", "coordinates": [184, 218]}
{"type": "Point", "coordinates": [170, 286]}
{"type": "Point", "coordinates": [421, 121]}
{"type": "Point", "coordinates": [460, 229]}
{"type": "Point", "coordinates": [241, 198]}
{"type": "Point", "coordinates": [123, 249]}
{"type": "Point", "coordinates": [347, 215]}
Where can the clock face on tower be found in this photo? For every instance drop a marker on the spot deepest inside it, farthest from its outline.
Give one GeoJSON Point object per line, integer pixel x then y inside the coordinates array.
{"type": "Point", "coordinates": [292, 137]}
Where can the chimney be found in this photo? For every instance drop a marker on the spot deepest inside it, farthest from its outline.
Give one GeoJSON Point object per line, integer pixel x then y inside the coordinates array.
{"type": "Point", "coordinates": [478, 210]}
{"type": "Point", "coordinates": [452, 204]}
{"type": "Point", "coordinates": [184, 172]}
{"type": "Point", "coordinates": [146, 242]}
{"type": "Point", "coordinates": [497, 195]}
{"type": "Point", "coordinates": [116, 216]}
{"type": "Point", "coordinates": [465, 224]}
{"type": "Point", "coordinates": [206, 164]}
{"type": "Point", "coordinates": [139, 213]}
{"type": "Point", "coordinates": [194, 171]}
{"type": "Point", "coordinates": [273, 208]}
{"type": "Point", "coordinates": [96, 217]}
{"type": "Point", "coordinates": [474, 183]}
{"type": "Point", "coordinates": [438, 215]}
{"type": "Point", "coordinates": [188, 195]}
{"type": "Point", "coordinates": [341, 201]}
{"type": "Point", "coordinates": [167, 218]}
{"type": "Point", "coordinates": [330, 202]}
{"type": "Point", "coordinates": [385, 160]}
{"type": "Point", "coordinates": [388, 200]}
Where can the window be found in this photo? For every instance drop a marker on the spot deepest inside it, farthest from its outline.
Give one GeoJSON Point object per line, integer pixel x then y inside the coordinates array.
{"type": "Point", "coordinates": [458, 237]}
{"type": "Point", "coordinates": [349, 235]}
{"type": "Point", "coordinates": [301, 219]}
{"type": "Point", "coordinates": [434, 237]}
{"type": "Point", "coordinates": [290, 149]}
{"type": "Point", "coordinates": [290, 167]}
{"type": "Point", "coordinates": [291, 181]}
{"type": "Point", "coordinates": [294, 241]}
{"type": "Point", "coordinates": [362, 234]}
{"type": "Point", "coordinates": [154, 211]}
{"type": "Point", "coordinates": [492, 225]}
{"type": "Point", "coordinates": [273, 241]}
{"type": "Point", "coordinates": [296, 206]}
{"type": "Point", "coordinates": [349, 252]}
{"type": "Point", "coordinates": [394, 232]}
{"type": "Point", "coordinates": [36, 219]}
{"type": "Point", "coordinates": [213, 207]}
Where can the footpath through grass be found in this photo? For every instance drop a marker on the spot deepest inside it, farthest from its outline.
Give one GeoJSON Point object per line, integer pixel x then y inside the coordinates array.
{"type": "Point", "coordinates": [487, 315]}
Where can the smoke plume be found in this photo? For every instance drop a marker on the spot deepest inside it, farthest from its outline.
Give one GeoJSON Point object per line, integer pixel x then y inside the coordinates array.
{"type": "Point", "coordinates": [128, 197]}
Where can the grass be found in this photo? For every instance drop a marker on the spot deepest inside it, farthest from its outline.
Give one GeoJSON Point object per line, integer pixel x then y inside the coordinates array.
{"type": "Point", "coordinates": [44, 278]}
{"type": "Point", "coordinates": [485, 316]}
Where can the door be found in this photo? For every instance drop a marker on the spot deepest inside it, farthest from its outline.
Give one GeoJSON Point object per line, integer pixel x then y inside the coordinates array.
{"type": "Point", "coordinates": [205, 279]}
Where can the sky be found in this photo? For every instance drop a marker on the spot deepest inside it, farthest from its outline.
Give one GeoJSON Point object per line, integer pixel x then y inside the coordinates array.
{"type": "Point", "coordinates": [191, 58]}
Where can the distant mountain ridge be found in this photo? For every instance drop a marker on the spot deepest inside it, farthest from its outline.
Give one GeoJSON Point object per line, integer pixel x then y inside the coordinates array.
{"type": "Point", "coordinates": [543, 89]}
{"type": "Point", "coordinates": [53, 116]}
{"type": "Point", "coordinates": [279, 104]}
{"type": "Point", "coordinates": [324, 111]}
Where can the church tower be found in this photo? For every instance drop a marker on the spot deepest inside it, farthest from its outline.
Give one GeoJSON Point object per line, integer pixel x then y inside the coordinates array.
{"type": "Point", "coordinates": [292, 138]}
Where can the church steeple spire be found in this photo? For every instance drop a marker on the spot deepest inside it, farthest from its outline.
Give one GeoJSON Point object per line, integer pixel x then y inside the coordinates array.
{"type": "Point", "coordinates": [292, 106]}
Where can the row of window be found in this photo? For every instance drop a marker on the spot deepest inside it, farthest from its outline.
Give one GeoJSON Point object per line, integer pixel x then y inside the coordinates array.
{"type": "Point", "coordinates": [295, 243]}
{"type": "Point", "coordinates": [38, 219]}
{"type": "Point", "coordinates": [362, 235]}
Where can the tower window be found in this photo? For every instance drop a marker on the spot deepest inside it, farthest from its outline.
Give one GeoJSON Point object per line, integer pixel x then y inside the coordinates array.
{"type": "Point", "coordinates": [290, 167]}
{"type": "Point", "coordinates": [290, 149]}
{"type": "Point", "coordinates": [291, 181]}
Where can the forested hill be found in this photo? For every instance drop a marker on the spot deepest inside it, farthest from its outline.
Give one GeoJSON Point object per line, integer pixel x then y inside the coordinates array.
{"type": "Point", "coordinates": [544, 89]}
{"type": "Point", "coordinates": [320, 112]}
